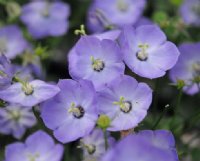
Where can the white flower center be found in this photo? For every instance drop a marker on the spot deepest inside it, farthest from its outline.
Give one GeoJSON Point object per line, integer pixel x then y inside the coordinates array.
{"type": "Point", "coordinates": [77, 111]}
{"type": "Point", "coordinates": [3, 45]}
{"type": "Point", "coordinates": [125, 106]}
{"type": "Point", "coordinates": [33, 157]}
{"type": "Point", "coordinates": [27, 88]}
{"type": "Point", "coordinates": [122, 5]}
{"type": "Point", "coordinates": [14, 115]}
{"type": "Point", "coordinates": [97, 64]}
{"type": "Point", "coordinates": [142, 54]}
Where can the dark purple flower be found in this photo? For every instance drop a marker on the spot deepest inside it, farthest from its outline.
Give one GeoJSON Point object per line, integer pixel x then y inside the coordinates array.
{"type": "Point", "coordinates": [188, 67]}
{"type": "Point", "coordinates": [190, 12]}
{"type": "Point", "coordinates": [125, 101]}
{"type": "Point", "coordinates": [147, 52]}
{"type": "Point", "coordinates": [117, 13]}
{"type": "Point", "coordinates": [46, 18]}
{"type": "Point", "coordinates": [14, 119]}
{"type": "Point", "coordinates": [71, 113]}
{"type": "Point", "coordinates": [37, 147]}
{"type": "Point", "coordinates": [95, 60]}
{"type": "Point", "coordinates": [147, 145]}
{"type": "Point", "coordinates": [12, 42]}
{"type": "Point", "coordinates": [94, 145]}
{"type": "Point", "coordinates": [29, 93]}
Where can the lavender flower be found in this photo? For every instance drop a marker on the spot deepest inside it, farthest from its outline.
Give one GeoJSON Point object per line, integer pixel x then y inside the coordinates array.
{"type": "Point", "coordinates": [111, 35]}
{"type": "Point", "coordinates": [46, 18]}
{"type": "Point", "coordinates": [72, 113]}
{"type": "Point", "coordinates": [188, 67]}
{"type": "Point", "coordinates": [12, 42]}
{"type": "Point", "coordinates": [146, 51]}
{"type": "Point", "coordinates": [97, 60]}
{"type": "Point", "coordinates": [190, 12]}
{"type": "Point", "coordinates": [125, 101]}
{"type": "Point", "coordinates": [147, 145]}
{"type": "Point", "coordinates": [14, 119]}
{"type": "Point", "coordinates": [29, 93]}
{"type": "Point", "coordinates": [5, 72]}
{"type": "Point", "coordinates": [37, 147]}
{"type": "Point", "coordinates": [94, 145]}
{"type": "Point", "coordinates": [113, 13]}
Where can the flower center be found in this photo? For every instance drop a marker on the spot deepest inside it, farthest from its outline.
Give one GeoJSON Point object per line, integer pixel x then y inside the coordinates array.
{"type": "Point", "coordinates": [142, 54]}
{"type": "Point", "coordinates": [14, 115]}
{"type": "Point", "coordinates": [3, 45]}
{"type": "Point", "coordinates": [33, 157]}
{"type": "Point", "coordinates": [125, 106]}
{"type": "Point", "coordinates": [122, 5]}
{"type": "Point", "coordinates": [97, 64]}
{"type": "Point", "coordinates": [27, 88]}
{"type": "Point", "coordinates": [90, 148]}
{"type": "Point", "coordinates": [196, 68]}
{"type": "Point", "coordinates": [77, 111]}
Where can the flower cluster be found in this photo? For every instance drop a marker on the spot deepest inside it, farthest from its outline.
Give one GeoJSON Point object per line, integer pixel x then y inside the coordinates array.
{"type": "Point", "coordinates": [104, 103]}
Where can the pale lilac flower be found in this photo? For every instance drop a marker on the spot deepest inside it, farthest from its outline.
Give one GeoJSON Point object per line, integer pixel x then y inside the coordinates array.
{"type": "Point", "coordinates": [190, 12]}
{"type": "Point", "coordinates": [146, 145]}
{"type": "Point", "coordinates": [15, 119]}
{"type": "Point", "coordinates": [94, 145]}
{"type": "Point", "coordinates": [38, 147]}
{"type": "Point", "coordinates": [72, 113]}
{"type": "Point", "coordinates": [29, 93]}
{"type": "Point", "coordinates": [147, 52]}
{"type": "Point", "coordinates": [46, 18]}
{"type": "Point", "coordinates": [96, 60]}
{"type": "Point", "coordinates": [125, 101]}
{"type": "Point", "coordinates": [188, 67]}
{"type": "Point", "coordinates": [12, 42]}
{"type": "Point", "coordinates": [115, 13]}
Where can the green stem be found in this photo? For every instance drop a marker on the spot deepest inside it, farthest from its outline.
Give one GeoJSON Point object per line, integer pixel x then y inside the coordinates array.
{"type": "Point", "coordinates": [155, 101]}
{"type": "Point", "coordinates": [105, 139]}
{"type": "Point", "coordinates": [160, 118]}
{"type": "Point", "coordinates": [178, 101]}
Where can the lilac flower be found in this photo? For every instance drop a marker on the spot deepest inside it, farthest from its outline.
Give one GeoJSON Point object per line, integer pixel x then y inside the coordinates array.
{"type": "Point", "coordinates": [146, 51]}
{"type": "Point", "coordinates": [125, 101]}
{"type": "Point", "coordinates": [14, 119]}
{"type": "Point", "coordinates": [5, 72]}
{"type": "Point", "coordinates": [46, 18]}
{"type": "Point", "coordinates": [71, 113]}
{"type": "Point", "coordinates": [111, 35]}
{"type": "Point", "coordinates": [190, 12]}
{"type": "Point", "coordinates": [97, 60]}
{"type": "Point", "coordinates": [94, 145]}
{"type": "Point", "coordinates": [12, 42]}
{"type": "Point", "coordinates": [188, 67]}
{"type": "Point", "coordinates": [147, 145]}
{"type": "Point", "coordinates": [29, 93]}
{"type": "Point", "coordinates": [37, 147]}
{"type": "Point", "coordinates": [117, 13]}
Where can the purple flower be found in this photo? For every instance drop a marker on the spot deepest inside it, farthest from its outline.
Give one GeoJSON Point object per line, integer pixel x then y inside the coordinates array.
{"type": "Point", "coordinates": [12, 42]}
{"type": "Point", "coordinates": [29, 93]}
{"type": "Point", "coordinates": [14, 119]}
{"type": "Point", "coordinates": [147, 145]}
{"type": "Point", "coordinates": [111, 35]}
{"type": "Point", "coordinates": [94, 145]}
{"type": "Point", "coordinates": [117, 13]}
{"type": "Point", "coordinates": [71, 113]}
{"type": "Point", "coordinates": [125, 101]}
{"type": "Point", "coordinates": [46, 18]}
{"type": "Point", "coordinates": [99, 61]}
{"type": "Point", "coordinates": [37, 147]}
{"type": "Point", "coordinates": [188, 67]}
{"type": "Point", "coordinates": [6, 73]}
{"type": "Point", "coordinates": [190, 12]}
{"type": "Point", "coordinates": [147, 52]}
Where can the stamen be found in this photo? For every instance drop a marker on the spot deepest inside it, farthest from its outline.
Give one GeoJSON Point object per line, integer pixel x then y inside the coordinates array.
{"type": "Point", "coordinates": [142, 55]}
{"type": "Point", "coordinates": [32, 157]}
{"type": "Point", "coordinates": [125, 106]}
{"type": "Point", "coordinates": [91, 148]}
{"type": "Point", "coordinates": [27, 88]}
{"type": "Point", "coordinates": [77, 112]}
{"type": "Point", "coordinates": [14, 115]}
{"type": "Point", "coordinates": [122, 5]}
{"type": "Point", "coordinates": [3, 45]}
{"type": "Point", "coordinates": [97, 64]}
{"type": "Point", "coordinates": [196, 68]}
